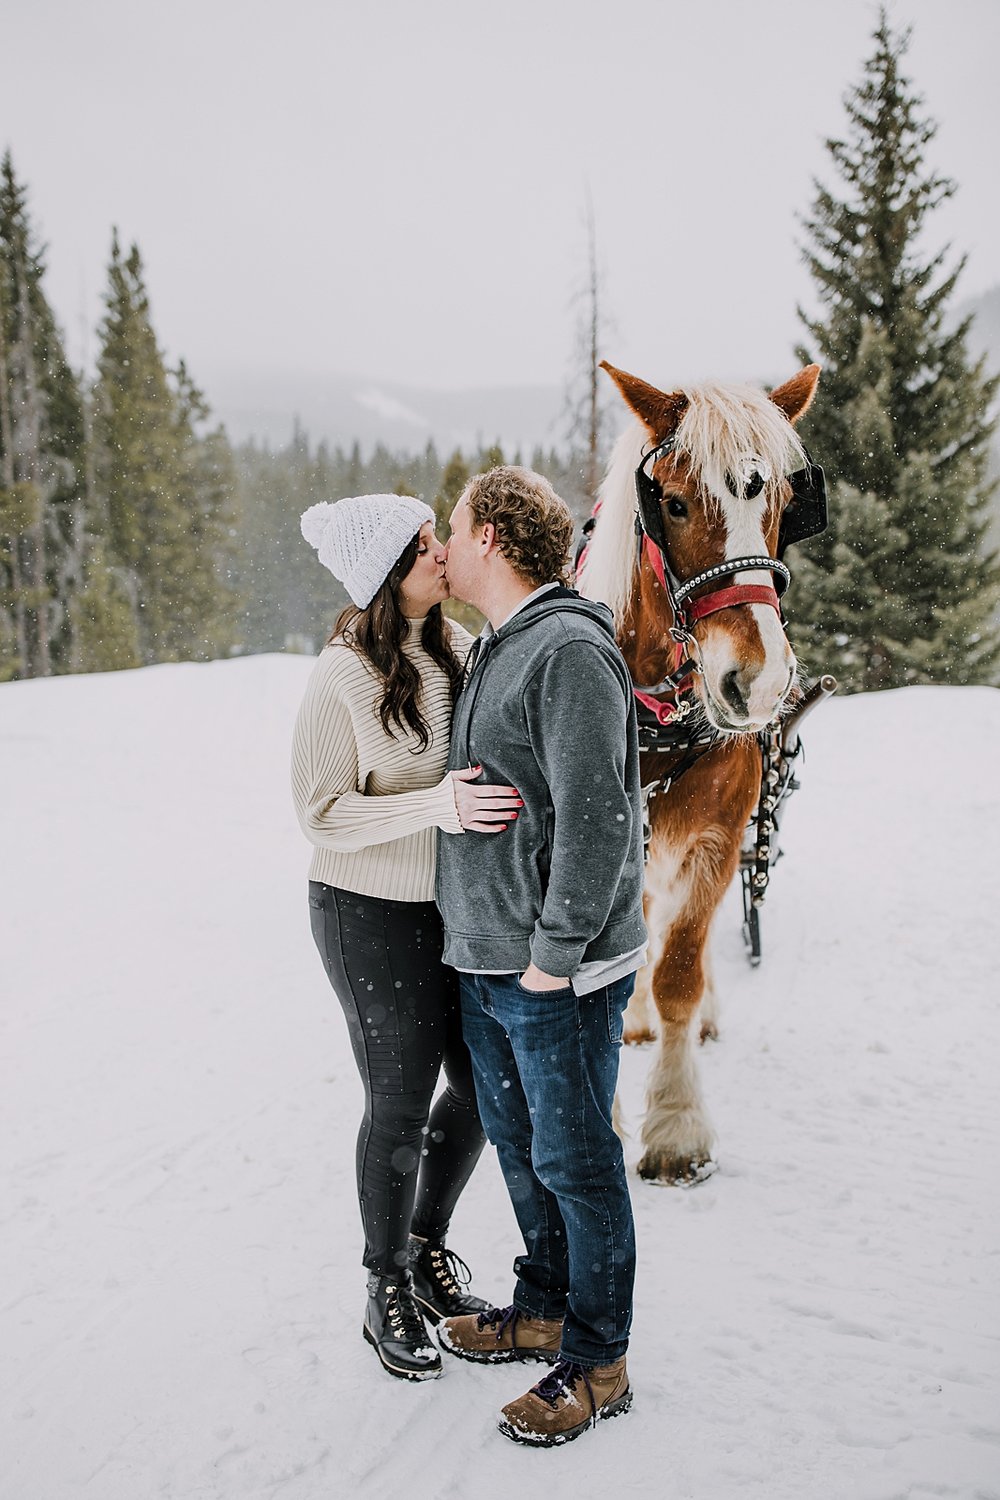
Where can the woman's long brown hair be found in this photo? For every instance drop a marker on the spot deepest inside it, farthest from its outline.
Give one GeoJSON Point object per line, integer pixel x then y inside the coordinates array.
{"type": "Point", "coordinates": [377, 633]}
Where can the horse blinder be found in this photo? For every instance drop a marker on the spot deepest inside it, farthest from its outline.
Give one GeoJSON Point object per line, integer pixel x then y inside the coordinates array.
{"type": "Point", "coordinates": [805, 515]}
{"type": "Point", "coordinates": [650, 496]}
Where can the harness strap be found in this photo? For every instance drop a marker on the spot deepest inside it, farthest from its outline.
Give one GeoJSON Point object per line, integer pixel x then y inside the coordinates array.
{"type": "Point", "coordinates": [655, 557]}
{"type": "Point", "coordinates": [663, 711]}
{"type": "Point", "coordinates": [739, 593]}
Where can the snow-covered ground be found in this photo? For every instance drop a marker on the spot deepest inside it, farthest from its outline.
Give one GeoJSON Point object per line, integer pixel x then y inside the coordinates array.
{"type": "Point", "coordinates": [179, 1279]}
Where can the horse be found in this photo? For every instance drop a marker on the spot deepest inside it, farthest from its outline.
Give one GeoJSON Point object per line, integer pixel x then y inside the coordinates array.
{"type": "Point", "coordinates": [723, 482]}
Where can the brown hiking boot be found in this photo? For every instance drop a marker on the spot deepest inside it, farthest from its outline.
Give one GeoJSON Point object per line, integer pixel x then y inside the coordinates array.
{"type": "Point", "coordinates": [566, 1402]}
{"type": "Point", "coordinates": [501, 1334]}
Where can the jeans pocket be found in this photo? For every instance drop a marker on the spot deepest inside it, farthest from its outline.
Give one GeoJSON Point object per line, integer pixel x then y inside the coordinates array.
{"type": "Point", "coordinates": [616, 1003]}
{"type": "Point", "coordinates": [563, 989]}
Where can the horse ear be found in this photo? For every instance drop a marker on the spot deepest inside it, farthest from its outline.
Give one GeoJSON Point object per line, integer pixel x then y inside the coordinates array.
{"type": "Point", "coordinates": [659, 410]}
{"type": "Point", "coordinates": [794, 398]}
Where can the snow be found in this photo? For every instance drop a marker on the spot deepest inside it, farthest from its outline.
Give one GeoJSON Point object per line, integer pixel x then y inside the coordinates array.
{"type": "Point", "coordinates": [182, 1294]}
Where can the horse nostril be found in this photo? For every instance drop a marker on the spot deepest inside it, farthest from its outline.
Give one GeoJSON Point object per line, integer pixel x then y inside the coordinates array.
{"type": "Point", "coordinates": [732, 693]}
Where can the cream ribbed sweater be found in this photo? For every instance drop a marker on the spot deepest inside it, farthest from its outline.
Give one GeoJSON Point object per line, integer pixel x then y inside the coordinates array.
{"type": "Point", "coordinates": [372, 802]}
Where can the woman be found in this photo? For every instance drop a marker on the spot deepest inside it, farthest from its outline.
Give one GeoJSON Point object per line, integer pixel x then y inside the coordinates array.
{"type": "Point", "coordinates": [368, 777]}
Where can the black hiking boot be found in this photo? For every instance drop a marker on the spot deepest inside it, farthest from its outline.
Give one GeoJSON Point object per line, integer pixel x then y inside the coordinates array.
{"type": "Point", "coordinates": [440, 1281]}
{"type": "Point", "coordinates": [394, 1325]}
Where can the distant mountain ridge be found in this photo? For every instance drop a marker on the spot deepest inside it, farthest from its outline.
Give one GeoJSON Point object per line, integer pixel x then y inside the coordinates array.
{"type": "Point", "coordinates": [343, 409]}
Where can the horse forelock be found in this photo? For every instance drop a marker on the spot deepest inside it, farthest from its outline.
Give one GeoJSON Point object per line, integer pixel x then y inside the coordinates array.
{"type": "Point", "coordinates": [725, 427]}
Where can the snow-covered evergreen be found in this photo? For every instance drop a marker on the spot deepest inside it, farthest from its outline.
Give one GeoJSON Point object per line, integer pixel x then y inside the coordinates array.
{"type": "Point", "coordinates": [902, 587]}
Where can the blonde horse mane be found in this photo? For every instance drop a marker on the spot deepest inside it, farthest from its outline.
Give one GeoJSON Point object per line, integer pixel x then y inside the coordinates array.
{"type": "Point", "coordinates": [723, 427]}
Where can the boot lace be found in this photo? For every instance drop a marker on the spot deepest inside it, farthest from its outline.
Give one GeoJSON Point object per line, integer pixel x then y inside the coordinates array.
{"type": "Point", "coordinates": [449, 1270]}
{"type": "Point", "coordinates": [404, 1316]}
{"type": "Point", "coordinates": [560, 1381]}
{"type": "Point", "coordinates": [500, 1318]}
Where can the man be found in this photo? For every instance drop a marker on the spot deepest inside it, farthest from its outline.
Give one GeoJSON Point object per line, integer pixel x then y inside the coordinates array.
{"type": "Point", "coordinates": [544, 923]}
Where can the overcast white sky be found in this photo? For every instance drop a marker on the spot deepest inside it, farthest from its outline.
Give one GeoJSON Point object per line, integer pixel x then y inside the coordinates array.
{"type": "Point", "coordinates": [396, 189]}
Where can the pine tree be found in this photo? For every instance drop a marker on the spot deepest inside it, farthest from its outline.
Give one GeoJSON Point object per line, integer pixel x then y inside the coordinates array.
{"type": "Point", "coordinates": [455, 477]}
{"type": "Point", "coordinates": [163, 487]}
{"type": "Point", "coordinates": [105, 620]}
{"type": "Point", "coordinates": [290, 601]}
{"type": "Point", "coordinates": [489, 458]}
{"type": "Point", "coordinates": [137, 454]}
{"type": "Point", "coordinates": [41, 457]}
{"type": "Point", "coordinates": [205, 489]}
{"type": "Point", "coordinates": [901, 588]}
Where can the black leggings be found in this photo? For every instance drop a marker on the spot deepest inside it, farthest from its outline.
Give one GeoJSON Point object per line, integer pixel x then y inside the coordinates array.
{"type": "Point", "coordinates": [383, 959]}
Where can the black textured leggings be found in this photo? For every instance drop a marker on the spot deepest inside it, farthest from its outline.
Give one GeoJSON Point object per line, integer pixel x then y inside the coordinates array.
{"type": "Point", "coordinates": [383, 959]}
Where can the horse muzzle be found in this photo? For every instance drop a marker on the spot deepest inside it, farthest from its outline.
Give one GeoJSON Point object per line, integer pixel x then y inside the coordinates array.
{"type": "Point", "coordinates": [741, 699]}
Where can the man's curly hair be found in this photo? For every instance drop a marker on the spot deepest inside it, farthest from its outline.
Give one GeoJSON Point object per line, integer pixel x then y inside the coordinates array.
{"type": "Point", "coordinates": [534, 528]}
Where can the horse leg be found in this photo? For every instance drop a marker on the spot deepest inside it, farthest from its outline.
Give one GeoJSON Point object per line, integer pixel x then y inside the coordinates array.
{"type": "Point", "coordinates": [663, 899]}
{"type": "Point", "coordinates": [677, 1133]}
{"type": "Point", "coordinates": [709, 1031]}
{"type": "Point", "coordinates": [639, 1015]}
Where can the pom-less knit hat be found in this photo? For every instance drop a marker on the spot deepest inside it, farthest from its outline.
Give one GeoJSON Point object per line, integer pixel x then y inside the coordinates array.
{"type": "Point", "coordinates": [360, 539]}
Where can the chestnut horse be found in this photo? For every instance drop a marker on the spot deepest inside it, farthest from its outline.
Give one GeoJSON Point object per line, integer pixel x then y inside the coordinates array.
{"type": "Point", "coordinates": [710, 466]}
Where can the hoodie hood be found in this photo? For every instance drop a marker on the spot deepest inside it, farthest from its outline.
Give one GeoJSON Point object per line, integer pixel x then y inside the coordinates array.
{"type": "Point", "coordinates": [557, 601]}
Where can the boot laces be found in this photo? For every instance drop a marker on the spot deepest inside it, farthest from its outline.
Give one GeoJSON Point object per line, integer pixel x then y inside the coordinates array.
{"type": "Point", "coordinates": [404, 1315]}
{"type": "Point", "coordinates": [500, 1318]}
{"type": "Point", "coordinates": [560, 1381]}
{"type": "Point", "coordinates": [449, 1270]}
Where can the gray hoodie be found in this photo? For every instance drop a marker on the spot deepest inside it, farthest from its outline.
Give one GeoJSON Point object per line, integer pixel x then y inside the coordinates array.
{"type": "Point", "coordinates": [548, 708]}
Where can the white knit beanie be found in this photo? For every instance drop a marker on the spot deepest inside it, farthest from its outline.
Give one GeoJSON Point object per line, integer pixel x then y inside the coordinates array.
{"type": "Point", "coordinates": [360, 539]}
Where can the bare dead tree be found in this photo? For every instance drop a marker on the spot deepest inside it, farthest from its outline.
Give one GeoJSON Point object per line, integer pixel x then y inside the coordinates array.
{"type": "Point", "coordinates": [594, 323]}
{"type": "Point", "coordinates": [586, 415]}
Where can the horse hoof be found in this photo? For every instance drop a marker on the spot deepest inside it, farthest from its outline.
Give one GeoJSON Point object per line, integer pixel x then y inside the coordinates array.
{"type": "Point", "coordinates": [709, 1032]}
{"type": "Point", "coordinates": [640, 1038]}
{"type": "Point", "coordinates": [699, 1172]}
{"type": "Point", "coordinates": [676, 1173]}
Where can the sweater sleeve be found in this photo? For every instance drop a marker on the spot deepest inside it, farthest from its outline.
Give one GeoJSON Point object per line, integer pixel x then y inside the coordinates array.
{"type": "Point", "coordinates": [576, 714]}
{"type": "Point", "coordinates": [332, 812]}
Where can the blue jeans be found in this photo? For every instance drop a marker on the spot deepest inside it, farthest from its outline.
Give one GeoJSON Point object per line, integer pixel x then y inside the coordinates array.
{"type": "Point", "coordinates": [546, 1068]}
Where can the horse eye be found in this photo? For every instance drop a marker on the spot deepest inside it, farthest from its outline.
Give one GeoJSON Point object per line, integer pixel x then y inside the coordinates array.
{"type": "Point", "coordinates": [676, 507]}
